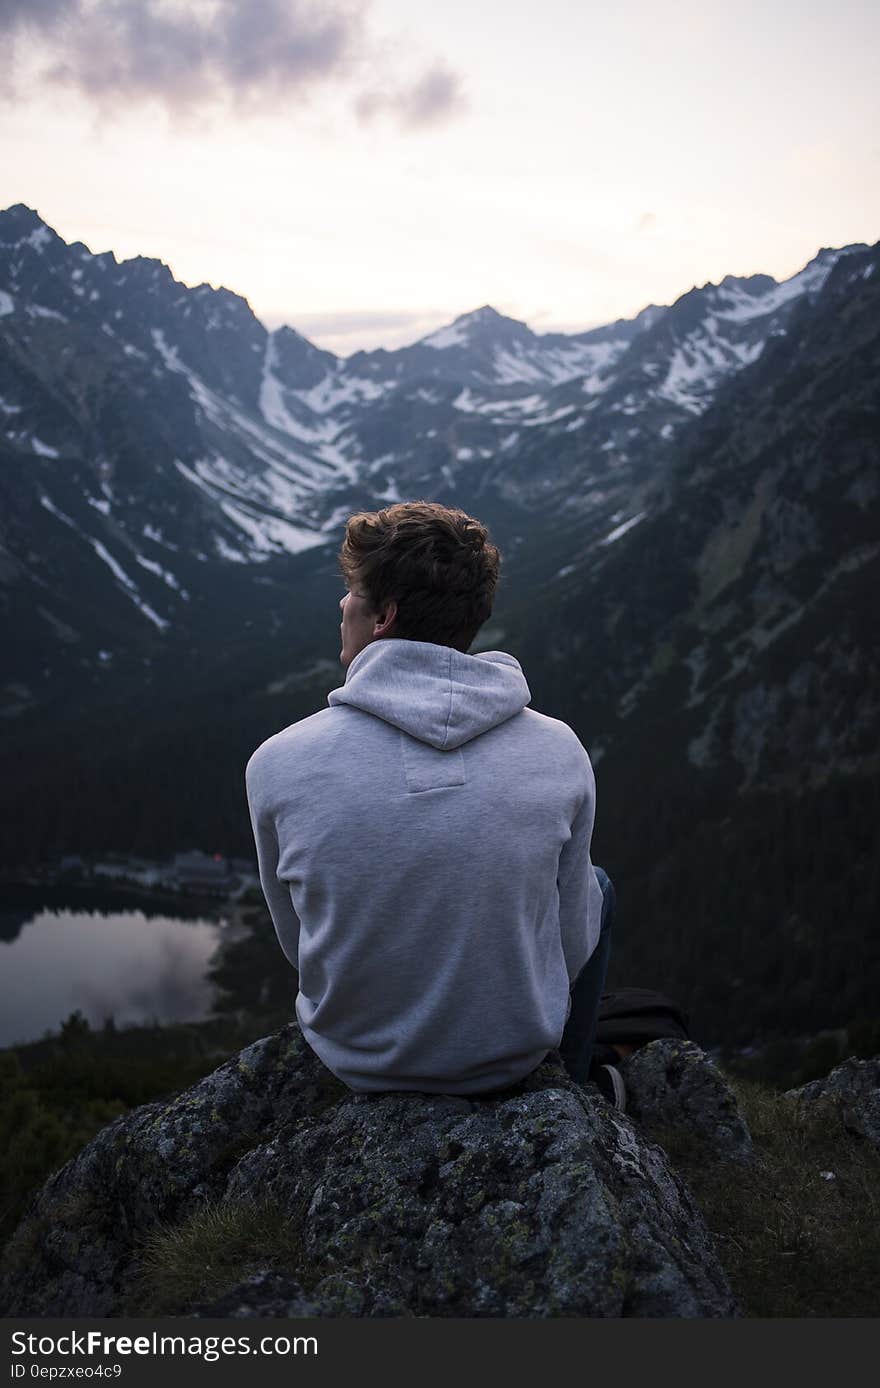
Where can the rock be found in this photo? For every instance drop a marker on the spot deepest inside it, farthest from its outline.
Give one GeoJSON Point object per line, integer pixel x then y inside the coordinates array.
{"type": "Point", "coordinates": [158, 1163]}
{"type": "Point", "coordinates": [673, 1084]}
{"type": "Point", "coordinates": [268, 1294]}
{"type": "Point", "coordinates": [852, 1091]}
{"type": "Point", "coordinates": [538, 1201]}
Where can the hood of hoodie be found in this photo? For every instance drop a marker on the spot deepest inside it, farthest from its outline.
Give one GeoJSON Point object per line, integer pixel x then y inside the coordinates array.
{"type": "Point", "coordinates": [434, 693]}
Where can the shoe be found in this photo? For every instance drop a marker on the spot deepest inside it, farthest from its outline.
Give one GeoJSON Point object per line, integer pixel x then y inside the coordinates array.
{"type": "Point", "coordinates": [609, 1082]}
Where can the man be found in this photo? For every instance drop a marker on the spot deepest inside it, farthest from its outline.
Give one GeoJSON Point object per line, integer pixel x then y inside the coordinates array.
{"type": "Point", "coordinates": [424, 841]}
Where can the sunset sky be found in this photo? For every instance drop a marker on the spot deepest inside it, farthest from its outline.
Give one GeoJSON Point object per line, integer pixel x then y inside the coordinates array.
{"type": "Point", "coordinates": [367, 171]}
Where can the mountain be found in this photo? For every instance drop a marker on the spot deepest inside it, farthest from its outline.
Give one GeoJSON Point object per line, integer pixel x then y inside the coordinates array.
{"type": "Point", "coordinates": [722, 661]}
{"type": "Point", "coordinates": [162, 451]}
{"type": "Point", "coordinates": [687, 506]}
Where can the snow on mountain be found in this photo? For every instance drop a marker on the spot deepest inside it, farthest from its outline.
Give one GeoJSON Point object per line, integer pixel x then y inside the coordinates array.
{"type": "Point", "coordinates": [127, 584]}
{"type": "Point", "coordinates": [511, 354]}
{"type": "Point", "coordinates": [454, 335]}
{"type": "Point", "coordinates": [139, 407]}
{"type": "Point", "coordinates": [736, 305]}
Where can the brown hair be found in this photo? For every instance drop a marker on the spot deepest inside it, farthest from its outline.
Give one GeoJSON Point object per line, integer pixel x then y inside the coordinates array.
{"type": "Point", "coordinates": [436, 562]}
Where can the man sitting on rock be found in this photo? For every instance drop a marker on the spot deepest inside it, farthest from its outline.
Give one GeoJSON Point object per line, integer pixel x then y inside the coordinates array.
{"type": "Point", "coordinates": [424, 842]}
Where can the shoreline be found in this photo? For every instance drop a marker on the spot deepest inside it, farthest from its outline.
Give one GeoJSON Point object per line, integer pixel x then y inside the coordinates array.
{"type": "Point", "coordinates": [21, 893]}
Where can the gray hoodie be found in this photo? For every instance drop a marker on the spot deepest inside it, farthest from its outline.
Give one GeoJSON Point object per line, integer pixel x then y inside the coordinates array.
{"type": "Point", "coordinates": [424, 849]}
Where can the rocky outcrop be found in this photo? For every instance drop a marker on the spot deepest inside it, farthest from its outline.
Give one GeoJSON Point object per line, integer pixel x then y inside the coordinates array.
{"type": "Point", "coordinates": [852, 1092]}
{"type": "Point", "coordinates": [673, 1084]}
{"type": "Point", "coordinates": [538, 1201]}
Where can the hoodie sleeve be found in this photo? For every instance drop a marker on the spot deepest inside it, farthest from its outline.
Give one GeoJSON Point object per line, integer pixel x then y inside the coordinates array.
{"type": "Point", "coordinates": [580, 896]}
{"type": "Point", "coordinates": [276, 892]}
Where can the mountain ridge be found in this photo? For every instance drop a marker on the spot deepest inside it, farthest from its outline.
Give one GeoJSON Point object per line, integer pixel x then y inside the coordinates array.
{"type": "Point", "coordinates": [23, 213]}
{"type": "Point", "coordinates": [162, 447]}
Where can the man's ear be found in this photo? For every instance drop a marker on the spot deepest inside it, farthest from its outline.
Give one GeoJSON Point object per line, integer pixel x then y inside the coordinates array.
{"type": "Point", "coordinates": [385, 618]}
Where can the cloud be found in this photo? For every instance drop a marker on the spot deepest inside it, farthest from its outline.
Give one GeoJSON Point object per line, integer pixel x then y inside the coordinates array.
{"type": "Point", "coordinates": [436, 95]}
{"type": "Point", "coordinates": [33, 14]}
{"type": "Point", "coordinates": [346, 332]}
{"type": "Point", "coordinates": [359, 319]}
{"type": "Point", "coordinates": [193, 53]}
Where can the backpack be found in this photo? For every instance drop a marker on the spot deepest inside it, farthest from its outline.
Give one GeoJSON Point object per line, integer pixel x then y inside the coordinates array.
{"type": "Point", "coordinates": [633, 1016]}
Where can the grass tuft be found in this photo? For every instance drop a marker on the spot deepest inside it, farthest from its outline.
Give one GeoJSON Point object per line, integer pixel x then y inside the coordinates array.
{"type": "Point", "coordinates": [798, 1231]}
{"type": "Point", "coordinates": [210, 1252]}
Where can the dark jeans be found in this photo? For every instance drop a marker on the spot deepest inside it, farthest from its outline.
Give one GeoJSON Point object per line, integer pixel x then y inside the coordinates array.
{"type": "Point", "coordinates": [576, 1046]}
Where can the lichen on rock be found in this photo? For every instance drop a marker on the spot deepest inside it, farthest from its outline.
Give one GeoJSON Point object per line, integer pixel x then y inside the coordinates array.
{"type": "Point", "coordinates": [851, 1092]}
{"type": "Point", "coordinates": [673, 1084]}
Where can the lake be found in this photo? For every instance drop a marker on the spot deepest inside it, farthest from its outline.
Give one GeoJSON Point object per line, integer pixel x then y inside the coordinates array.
{"type": "Point", "coordinates": [135, 967]}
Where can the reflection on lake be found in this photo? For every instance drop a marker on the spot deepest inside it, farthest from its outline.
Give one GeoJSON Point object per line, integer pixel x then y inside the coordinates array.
{"type": "Point", "coordinates": [125, 965]}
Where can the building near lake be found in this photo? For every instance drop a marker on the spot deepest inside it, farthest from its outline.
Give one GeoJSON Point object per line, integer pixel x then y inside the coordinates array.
{"type": "Point", "coordinates": [198, 871]}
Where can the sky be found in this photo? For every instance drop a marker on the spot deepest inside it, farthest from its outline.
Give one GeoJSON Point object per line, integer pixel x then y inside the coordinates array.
{"type": "Point", "coordinates": [366, 170]}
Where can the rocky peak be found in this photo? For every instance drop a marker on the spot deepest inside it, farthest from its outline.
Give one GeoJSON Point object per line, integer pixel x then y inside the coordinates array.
{"type": "Point", "coordinates": [749, 284]}
{"type": "Point", "coordinates": [21, 223]}
{"type": "Point", "coordinates": [300, 363]}
{"type": "Point", "coordinates": [481, 328]}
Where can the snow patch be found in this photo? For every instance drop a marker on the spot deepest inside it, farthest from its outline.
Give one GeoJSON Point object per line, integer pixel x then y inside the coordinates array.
{"type": "Point", "coordinates": [308, 470]}
{"type": "Point", "coordinates": [619, 530]}
{"type": "Point", "coordinates": [7, 303]}
{"type": "Point", "coordinates": [467, 401]}
{"type": "Point", "coordinates": [151, 533]}
{"type": "Point", "coordinates": [338, 518]}
{"type": "Point", "coordinates": [40, 311]}
{"type": "Point", "coordinates": [129, 586]}
{"type": "Point", "coordinates": [112, 563]}
{"type": "Point", "coordinates": [166, 575]}
{"type": "Point", "coordinates": [687, 374]}
{"type": "Point", "coordinates": [56, 511]}
{"type": "Point", "coordinates": [234, 556]}
{"type": "Point", "coordinates": [741, 307]}
{"type": "Point", "coordinates": [44, 449]}
{"type": "Point", "coordinates": [271, 534]}
{"type": "Point", "coordinates": [511, 367]}
{"type": "Point", "coordinates": [451, 336]}
{"type": "Point", "coordinates": [589, 362]}
{"type": "Point", "coordinates": [278, 416]}
{"type": "Point", "coordinates": [382, 461]}
{"type": "Point", "coordinates": [700, 750]}
{"type": "Point", "coordinates": [272, 406]}
{"type": "Point", "coordinates": [552, 417]}
{"type": "Point", "coordinates": [169, 355]}
{"type": "Point", "coordinates": [38, 238]}
{"type": "Point", "coordinates": [338, 390]}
